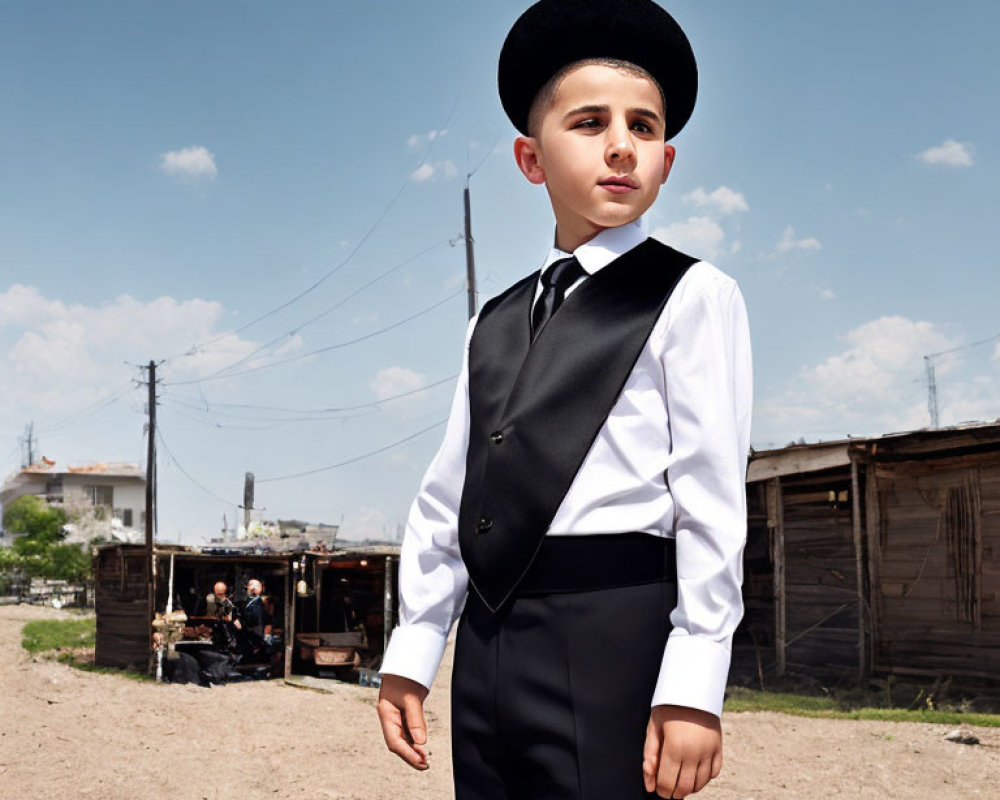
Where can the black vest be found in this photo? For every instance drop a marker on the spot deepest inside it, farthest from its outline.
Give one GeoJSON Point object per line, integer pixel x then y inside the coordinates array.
{"type": "Point", "coordinates": [536, 410]}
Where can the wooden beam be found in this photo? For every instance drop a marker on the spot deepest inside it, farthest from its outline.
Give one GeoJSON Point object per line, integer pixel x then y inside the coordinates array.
{"type": "Point", "coordinates": [807, 458]}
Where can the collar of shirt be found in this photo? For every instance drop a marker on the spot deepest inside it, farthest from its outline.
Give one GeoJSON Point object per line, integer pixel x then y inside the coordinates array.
{"type": "Point", "coordinates": [603, 248]}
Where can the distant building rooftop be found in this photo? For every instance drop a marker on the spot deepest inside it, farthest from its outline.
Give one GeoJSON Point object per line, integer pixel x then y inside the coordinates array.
{"type": "Point", "coordinates": [117, 469]}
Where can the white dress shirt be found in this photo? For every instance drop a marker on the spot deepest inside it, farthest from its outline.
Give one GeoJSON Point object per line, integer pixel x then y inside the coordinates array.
{"type": "Point", "coordinates": [670, 460]}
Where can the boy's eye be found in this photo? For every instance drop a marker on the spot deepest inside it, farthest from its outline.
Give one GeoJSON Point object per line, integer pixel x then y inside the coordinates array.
{"type": "Point", "coordinates": [642, 127]}
{"type": "Point", "coordinates": [590, 122]}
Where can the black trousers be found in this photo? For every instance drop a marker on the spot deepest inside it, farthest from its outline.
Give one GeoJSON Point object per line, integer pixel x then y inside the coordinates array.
{"type": "Point", "coordinates": [551, 696]}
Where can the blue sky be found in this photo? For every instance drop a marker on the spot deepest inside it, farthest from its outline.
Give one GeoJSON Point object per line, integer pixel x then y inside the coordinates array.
{"type": "Point", "coordinates": [170, 172]}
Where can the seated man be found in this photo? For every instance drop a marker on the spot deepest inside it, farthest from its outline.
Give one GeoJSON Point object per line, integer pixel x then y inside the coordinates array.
{"type": "Point", "coordinates": [254, 623]}
{"type": "Point", "coordinates": [218, 604]}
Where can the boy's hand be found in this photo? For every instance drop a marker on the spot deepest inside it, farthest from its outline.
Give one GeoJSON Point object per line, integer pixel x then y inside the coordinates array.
{"type": "Point", "coordinates": [683, 750]}
{"type": "Point", "coordinates": [401, 713]}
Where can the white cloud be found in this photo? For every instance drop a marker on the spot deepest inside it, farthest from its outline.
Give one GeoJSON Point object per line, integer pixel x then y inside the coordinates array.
{"type": "Point", "coordinates": [701, 236]}
{"type": "Point", "coordinates": [189, 162]}
{"type": "Point", "coordinates": [418, 140]}
{"type": "Point", "coordinates": [422, 173]}
{"type": "Point", "coordinates": [396, 380]}
{"type": "Point", "coordinates": [876, 384]}
{"type": "Point", "coordinates": [431, 171]}
{"type": "Point", "coordinates": [391, 381]}
{"type": "Point", "coordinates": [723, 200]}
{"type": "Point", "coordinates": [56, 357]}
{"type": "Point", "coordinates": [828, 294]}
{"type": "Point", "coordinates": [949, 154]}
{"type": "Point", "coordinates": [789, 242]}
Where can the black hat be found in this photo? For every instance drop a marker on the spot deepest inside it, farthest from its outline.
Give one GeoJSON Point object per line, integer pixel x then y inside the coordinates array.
{"type": "Point", "coordinates": [554, 33]}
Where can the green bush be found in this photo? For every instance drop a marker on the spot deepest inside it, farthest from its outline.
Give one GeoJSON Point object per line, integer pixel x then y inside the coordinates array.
{"type": "Point", "coordinates": [32, 516]}
{"type": "Point", "coordinates": [40, 552]}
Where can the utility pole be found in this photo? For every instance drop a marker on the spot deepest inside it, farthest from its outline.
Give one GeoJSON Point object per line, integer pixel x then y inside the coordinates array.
{"type": "Point", "coordinates": [28, 443]}
{"type": "Point", "coordinates": [470, 257]}
{"type": "Point", "coordinates": [932, 404]}
{"type": "Point", "coordinates": [151, 505]}
{"type": "Point", "coordinates": [151, 461]}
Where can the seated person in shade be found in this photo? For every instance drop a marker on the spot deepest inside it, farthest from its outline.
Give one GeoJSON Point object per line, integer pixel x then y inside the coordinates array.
{"type": "Point", "coordinates": [254, 618]}
{"type": "Point", "coordinates": [218, 604]}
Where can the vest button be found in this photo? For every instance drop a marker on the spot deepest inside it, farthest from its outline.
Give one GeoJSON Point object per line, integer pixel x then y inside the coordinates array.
{"type": "Point", "coordinates": [496, 437]}
{"type": "Point", "coordinates": [484, 525]}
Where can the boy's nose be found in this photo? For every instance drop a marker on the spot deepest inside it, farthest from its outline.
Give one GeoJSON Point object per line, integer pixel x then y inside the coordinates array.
{"type": "Point", "coordinates": [620, 149]}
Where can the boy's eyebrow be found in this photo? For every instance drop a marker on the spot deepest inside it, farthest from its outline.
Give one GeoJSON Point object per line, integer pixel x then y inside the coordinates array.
{"type": "Point", "coordinates": [592, 109]}
{"type": "Point", "coordinates": [648, 113]}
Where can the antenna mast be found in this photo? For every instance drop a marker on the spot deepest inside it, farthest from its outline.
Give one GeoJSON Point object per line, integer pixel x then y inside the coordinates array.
{"type": "Point", "coordinates": [932, 404]}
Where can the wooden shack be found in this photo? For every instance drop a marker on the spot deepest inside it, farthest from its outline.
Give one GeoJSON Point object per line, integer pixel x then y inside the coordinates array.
{"type": "Point", "coordinates": [308, 592]}
{"type": "Point", "coordinates": [877, 555]}
{"type": "Point", "coordinates": [341, 593]}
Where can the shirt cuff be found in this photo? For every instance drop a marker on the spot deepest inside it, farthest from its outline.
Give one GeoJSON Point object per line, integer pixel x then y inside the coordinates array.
{"type": "Point", "coordinates": [693, 672]}
{"type": "Point", "coordinates": [414, 652]}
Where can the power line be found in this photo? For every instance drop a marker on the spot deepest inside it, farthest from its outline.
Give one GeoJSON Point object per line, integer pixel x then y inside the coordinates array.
{"type": "Point", "coordinates": [354, 460]}
{"type": "Point", "coordinates": [964, 346]}
{"type": "Point", "coordinates": [361, 242]}
{"type": "Point", "coordinates": [90, 409]}
{"type": "Point", "coordinates": [311, 413]}
{"type": "Point", "coordinates": [186, 474]}
{"type": "Point", "coordinates": [486, 155]}
{"type": "Point", "coordinates": [326, 312]}
{"type": "Point", "coordinates": [932, 400]}
{"type": "Point", "coordinates": [328, 348]}
{"type": "Point", "coordinates": [275, 423]}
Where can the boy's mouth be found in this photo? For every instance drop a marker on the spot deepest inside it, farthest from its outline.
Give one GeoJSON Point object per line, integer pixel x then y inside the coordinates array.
{"type": "Point", "coordinates": [618, 184]}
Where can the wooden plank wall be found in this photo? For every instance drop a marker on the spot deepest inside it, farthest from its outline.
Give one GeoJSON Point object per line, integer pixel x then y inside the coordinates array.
{"type": "Point", "coordinates": [120, 599]}
{"type": "Point", "coordinates": [821, 576]}
{"type": "Point", "coordinates": [754, 641]}
{"type": "Point", "coordinates": [939, 562]}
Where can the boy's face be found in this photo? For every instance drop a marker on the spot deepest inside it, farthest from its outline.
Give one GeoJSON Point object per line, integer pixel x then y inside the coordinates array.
{"type": "Point", "coordinates": [599, 150]}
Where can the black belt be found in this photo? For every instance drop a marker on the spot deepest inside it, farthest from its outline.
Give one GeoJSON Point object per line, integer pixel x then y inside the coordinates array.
{"type": "Point", "coordinates": [599, 561]}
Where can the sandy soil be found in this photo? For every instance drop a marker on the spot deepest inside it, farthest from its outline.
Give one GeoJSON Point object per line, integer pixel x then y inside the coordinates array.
{"type": "Point", "coordinates": [70, 734]}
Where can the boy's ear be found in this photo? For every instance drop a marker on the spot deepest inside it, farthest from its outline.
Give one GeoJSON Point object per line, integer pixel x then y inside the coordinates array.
{"type": "Point", "coordinates": [527, 154]}
{"type": "Point", "coordinates": [669, 153]}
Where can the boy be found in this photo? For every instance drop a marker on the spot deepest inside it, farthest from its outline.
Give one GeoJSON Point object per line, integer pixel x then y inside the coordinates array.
{"type": "Point", "coordinates": [588, 500]}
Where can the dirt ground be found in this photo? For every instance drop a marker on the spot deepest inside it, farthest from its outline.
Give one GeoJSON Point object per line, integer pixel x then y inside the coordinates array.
{"type": "Point", "coordinates": [70, 734]}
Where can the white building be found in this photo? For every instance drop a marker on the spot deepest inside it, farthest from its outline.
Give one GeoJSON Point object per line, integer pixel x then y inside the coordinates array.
{"type": "Point", "coordinates": [102, 499]}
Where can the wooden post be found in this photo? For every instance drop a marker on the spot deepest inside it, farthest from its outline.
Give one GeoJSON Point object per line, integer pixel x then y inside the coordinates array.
{"type": "Point", "coordinates": [318, 591]}
{"type": "Point", "coordinates": [387, 620]}
{"type": "Point", "coordinates": [289, 619]}
{"type": "Point", "coordinates": [859, 566]}
{"type": "Point", "coordinates": [873, 525]}
{"type": "Point", "coordinates": [150, 608]}
{"type": "Point", "coordinates": [776, 523]}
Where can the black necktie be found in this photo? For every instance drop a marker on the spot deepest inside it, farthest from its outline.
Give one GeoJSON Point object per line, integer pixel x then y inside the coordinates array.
{"type": "Point", "coordinates": [555, 281]}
